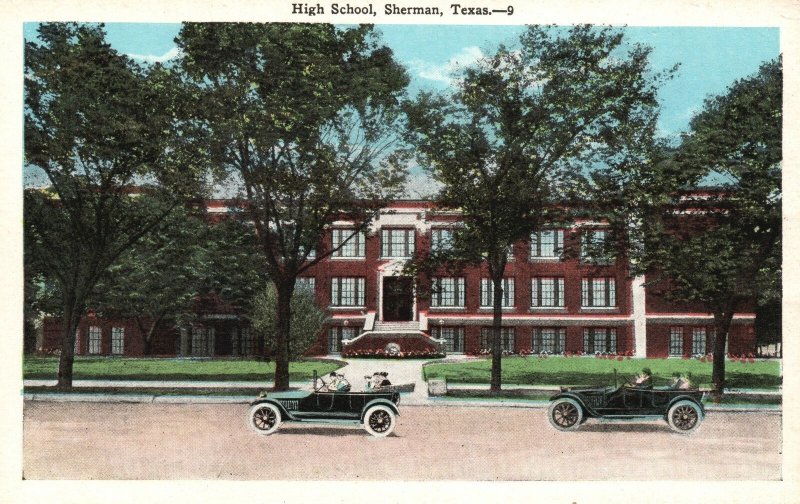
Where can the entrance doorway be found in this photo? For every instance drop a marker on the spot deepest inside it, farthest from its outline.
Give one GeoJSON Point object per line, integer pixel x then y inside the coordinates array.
{"type": "Point", "coordinates": [398, 298]}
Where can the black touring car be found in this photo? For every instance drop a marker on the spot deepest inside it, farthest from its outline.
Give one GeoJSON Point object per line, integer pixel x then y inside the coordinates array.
{"type": "Point", "coordinates": [682, 409]}
{"type": "Point", "coordinates": [375, 410]}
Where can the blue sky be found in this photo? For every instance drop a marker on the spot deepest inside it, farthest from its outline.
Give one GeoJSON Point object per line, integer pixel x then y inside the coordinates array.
{"type": "Point", "coordinates": [711, 58]}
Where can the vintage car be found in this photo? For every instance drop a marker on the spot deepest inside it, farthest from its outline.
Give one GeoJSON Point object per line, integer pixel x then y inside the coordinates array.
{"type": "Point", "coordinates": [375, 410]}
{"type": "Point", "coordinates": [682, 409]}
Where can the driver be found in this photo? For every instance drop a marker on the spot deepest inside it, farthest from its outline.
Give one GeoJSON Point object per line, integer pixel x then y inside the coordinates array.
{"type": "Point", "coordinates": [334, 382]}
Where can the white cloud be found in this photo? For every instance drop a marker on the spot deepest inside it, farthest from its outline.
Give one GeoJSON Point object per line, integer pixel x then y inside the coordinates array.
{"type": "Point", "coordinates": [173, 53]}
{"type": "Point", "coordinates": [420, 186]}
{"type": "Point", "coordinates": [445, 73]}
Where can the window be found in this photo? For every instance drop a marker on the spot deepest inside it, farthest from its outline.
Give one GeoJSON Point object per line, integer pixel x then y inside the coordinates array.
{"type": "Point", "coordinates": [547, 292]}
{"type": "Point", "coordinates": [698, 341]}
{"type": "Point", "coordinates": [247, 341]}
{"type": "Point", "coordinates": [676, 341]}
{"type": "Point", "coordinates": [548, 340]}
{"type": "Point", "coordinates": [441, 239]}
{"type": "Point", "coordinates": [506, 338]}
{"type": "Point", "coordinates": [306, 283]}
{"type": "Point", "coordinates": [353, 244]}
{"type": "Point", "coordinates": [95, 337]}
{"type": "Point", "coordinates": [337, 334]}
{"type": "Point", "coordinates": [487, 294]}
{"type": "Point", "coordinates": [347, 291]}
{"type": "Point", "coordinates": [117, 340]}
{"type": "Point", "coordinates": [592, 246]}
{"type": "Point", "coordinates": [547, 243]}
{"type": "Point", "coordinates": [453, 338]}
{"type": "Point", "coordinates": [598, 292]}
{"type": "Point", "coordinates": [600, 340]}
{"type": "Point", "coordinates": [447, 292]}
{"type": "Point", "coordinates": [397, 243]}
{"type": "Point", "coordinates": [202, 338]}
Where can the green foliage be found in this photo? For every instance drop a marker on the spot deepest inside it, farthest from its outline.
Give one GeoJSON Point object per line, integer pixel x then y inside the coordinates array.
{"type": "Point", "coordinates": [193, 258]}
{"type": "Point", "coordinates": [303, 120]}
{"type": "Point", "coordinates": [719, 247]}
{"type": "Point", "coordinates": [723, 247]}
{"type": "Point", "coordinates": [96, 125]}
{"type": "Point", "coordinates": [307, 320]}
{"type": "Point", "coordinates": [516, 138]}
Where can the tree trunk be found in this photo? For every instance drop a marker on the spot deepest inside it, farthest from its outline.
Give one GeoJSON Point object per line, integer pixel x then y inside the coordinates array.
{"type": "Point", "coordinates": [149, 332]}
{"type": "Point", "coordinates": [497, 324]}
{"type": "Point", "coordinates": [70, 319]}
{"type": "Point", "coordinates": [282, 340]}
{"type": "Point", "coordinates": [722, 324]}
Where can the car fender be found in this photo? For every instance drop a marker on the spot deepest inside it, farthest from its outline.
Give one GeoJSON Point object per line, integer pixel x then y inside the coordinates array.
{"type": "Point", "coordinates": [686, 398]}
{"type": "Point", "coordinates": [375, 402]}
{"type": "Point", "coordinates": [575, 397]}
{"type": "Point", "coordinates": [285, 415]}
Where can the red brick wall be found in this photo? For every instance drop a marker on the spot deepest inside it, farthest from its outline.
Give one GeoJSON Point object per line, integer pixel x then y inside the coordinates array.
{"type": "Point", "coordinates": [741, 338]}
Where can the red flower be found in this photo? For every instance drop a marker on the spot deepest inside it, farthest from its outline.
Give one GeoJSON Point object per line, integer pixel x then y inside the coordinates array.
{"type": "Point", "coordinates": [619, 358]}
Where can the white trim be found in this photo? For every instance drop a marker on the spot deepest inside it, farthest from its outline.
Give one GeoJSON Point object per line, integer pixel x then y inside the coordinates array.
{"type": "Point", "coordinates": [697, 316]}
{"type": "Point", "coordinates": [639, 300]}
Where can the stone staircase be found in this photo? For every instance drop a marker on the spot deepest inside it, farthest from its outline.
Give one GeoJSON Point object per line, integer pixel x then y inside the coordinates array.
{"type": "Point", "coordinates": [396, 327]}
{"type": "Point", "coordinates": [383, 332]}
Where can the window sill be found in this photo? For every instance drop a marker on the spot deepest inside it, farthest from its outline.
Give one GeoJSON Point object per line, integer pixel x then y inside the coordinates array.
{"type": "Point", "coordinates": [362, 258]}
{"type": "Point", "coordinates": [347, 307]}
{"type": "Point", "coordinates": [544, 259]}
{"type": "Point", "coordinates": [447, 309]}
{"type": "Point", "coordinates": [394, 258]}
{"type": "Point", "coordinates": [489, 309]}
{"type": "Point", "coordinates": [556, 309]}
{"type": "Point", "coordinates": [600, 309]}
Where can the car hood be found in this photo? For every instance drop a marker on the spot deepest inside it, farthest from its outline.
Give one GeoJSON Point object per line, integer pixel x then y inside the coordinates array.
{"type": "Point", "coordinates": [289, 394]}
{"type": "Point", "coordinates": [585, 390]}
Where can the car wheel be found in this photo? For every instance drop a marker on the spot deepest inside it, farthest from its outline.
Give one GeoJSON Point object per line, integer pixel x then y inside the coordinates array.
{"type": "Point", "coordinates": [684, 416]}
{"type": "Point", "coordinates": [565, 414]}
{"type": "Point", "coordinates": [264, 418]}
{"type": "Point", "coordinates": [379, 421]}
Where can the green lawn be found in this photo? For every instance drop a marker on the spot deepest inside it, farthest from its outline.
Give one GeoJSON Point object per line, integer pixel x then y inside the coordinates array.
{"type": "Point", "coordinates": [103, 368]}
{"type": "Point", "coordinates": [591, 371]}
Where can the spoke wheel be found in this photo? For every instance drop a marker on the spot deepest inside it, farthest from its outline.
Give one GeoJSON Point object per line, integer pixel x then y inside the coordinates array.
{"type": "Point", "coordinates": [264, 418]}
{"type": "Point", "coordinates": [379, 421]}
{"type": "Point", "coordinates": [684, 416]}
{"type": "Point", "coordinates": [565, 414]}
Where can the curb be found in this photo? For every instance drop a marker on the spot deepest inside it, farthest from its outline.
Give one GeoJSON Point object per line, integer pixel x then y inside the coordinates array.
{"type": "Point", "coordinates": [427, 402]}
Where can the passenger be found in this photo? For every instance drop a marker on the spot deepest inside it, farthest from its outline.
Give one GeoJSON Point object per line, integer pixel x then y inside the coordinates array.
{"type": "Point", "coordinates": [374, 382]}
{"type": "Point", "coordinates": [384, 380]}
{"type": "Point", "coordinates": [680, 382]}
{"type": "Point", "coordinates": [644, 379]}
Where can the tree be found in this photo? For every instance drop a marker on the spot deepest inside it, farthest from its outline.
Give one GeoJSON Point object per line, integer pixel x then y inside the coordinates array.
{"type": "Point", "coordinates": [719, 246]}
{"type": "Point", "coordinates": [306, 323]}
{"type": "Point", "coordinates": [97, 125]}
{"type": "Point", "coordinates": [301, 117]}
{"type": "Point", "coordinates": [194, 259]}
{"type": "Point", "coordinates": [515, 138]}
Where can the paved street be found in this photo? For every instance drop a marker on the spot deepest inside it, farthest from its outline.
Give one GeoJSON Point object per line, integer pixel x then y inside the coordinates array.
{"type": "Point", "coordinates": [180, 441]}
